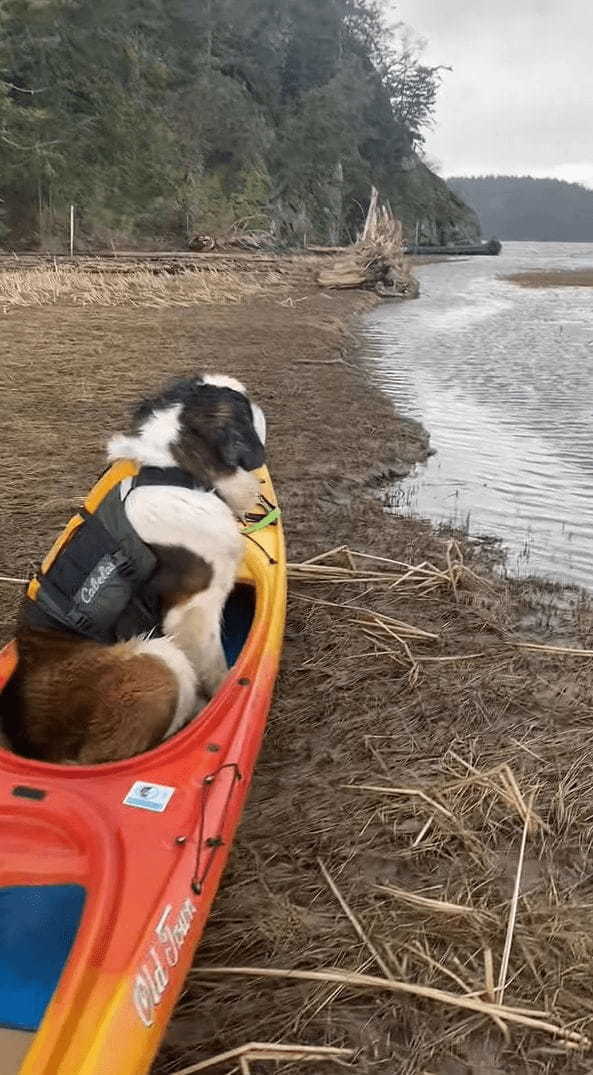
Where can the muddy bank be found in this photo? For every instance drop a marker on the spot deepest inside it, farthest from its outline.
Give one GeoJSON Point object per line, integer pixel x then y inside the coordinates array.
{"type": "Point", "coordinates": [67, 377]}
{"type": "Point", "coordinates": [439, 718]}
{"type": "Point", "coordinates": [553, 278]}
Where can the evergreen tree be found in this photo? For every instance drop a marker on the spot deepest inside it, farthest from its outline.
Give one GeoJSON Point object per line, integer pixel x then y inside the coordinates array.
{"type": "Point", "coordinates": [158, 117]}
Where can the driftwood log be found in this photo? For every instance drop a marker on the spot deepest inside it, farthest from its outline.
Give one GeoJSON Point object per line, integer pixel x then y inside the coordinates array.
{"type": "Point", "coordinates": [233, 240]}
{"type": "Point", "coordinates": [253, 240]}
{"type": "Point", "coordinates": [377, 261]}
{"type": "Point", "coordinates": [202, 242]}
{"type": "Point", "coordinates": [362, 269]}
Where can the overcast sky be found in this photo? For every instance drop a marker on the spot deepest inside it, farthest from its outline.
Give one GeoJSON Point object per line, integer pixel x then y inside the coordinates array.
{"type": "Point", "coordinates": [520, 97]}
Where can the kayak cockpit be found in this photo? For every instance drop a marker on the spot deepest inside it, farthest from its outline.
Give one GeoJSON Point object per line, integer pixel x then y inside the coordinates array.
{"type": "Point", "coordinates": [237, 619]}
{"type": "Point", "coordinates": [38, 926]}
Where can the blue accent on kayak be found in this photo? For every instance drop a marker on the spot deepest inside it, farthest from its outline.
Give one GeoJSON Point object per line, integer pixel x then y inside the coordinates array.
{"type": "Point", "coordinates": [237, 620]}
{"type": "Point", "coordinates": [38, 924]}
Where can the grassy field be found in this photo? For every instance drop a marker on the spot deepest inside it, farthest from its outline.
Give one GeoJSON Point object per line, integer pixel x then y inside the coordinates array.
{"type": "Point", "coordinates": [417, 843]}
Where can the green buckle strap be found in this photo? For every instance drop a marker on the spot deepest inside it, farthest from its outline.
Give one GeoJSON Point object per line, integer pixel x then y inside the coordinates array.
{"type": "Point", "coordinates": [268, 519]}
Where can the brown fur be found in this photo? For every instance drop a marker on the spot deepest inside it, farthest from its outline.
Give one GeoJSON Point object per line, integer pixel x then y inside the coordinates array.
{"type": "Point", "coordinates": [181, 574]}
{"type": "Point", "coordinates": [84, 702]}
{"type": "Point", "coordinates": [195, 452]}
{"type": "Point", "coordinates": [75, 700]}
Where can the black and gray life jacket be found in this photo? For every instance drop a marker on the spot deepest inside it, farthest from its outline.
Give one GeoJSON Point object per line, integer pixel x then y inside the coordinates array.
{"type": "Point", "coordinates": [98, 578]}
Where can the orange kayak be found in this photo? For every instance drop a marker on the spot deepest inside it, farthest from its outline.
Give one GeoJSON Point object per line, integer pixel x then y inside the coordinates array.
{"type": "Point", "coordinates": [107, 873]}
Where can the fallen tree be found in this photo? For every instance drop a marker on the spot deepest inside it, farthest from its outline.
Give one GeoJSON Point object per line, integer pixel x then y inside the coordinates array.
{"type": "Point", "coordinates": [377, 261]}
{"type": "Point", "coordinates": [235, 239]}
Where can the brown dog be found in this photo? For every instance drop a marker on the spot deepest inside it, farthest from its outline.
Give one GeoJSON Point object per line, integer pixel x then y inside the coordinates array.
{"type": "Point", "coordinates": [156, 550]}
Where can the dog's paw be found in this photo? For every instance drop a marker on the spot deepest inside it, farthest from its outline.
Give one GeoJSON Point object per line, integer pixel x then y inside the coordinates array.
{"type": "Point", "coordinates": [212, 680]}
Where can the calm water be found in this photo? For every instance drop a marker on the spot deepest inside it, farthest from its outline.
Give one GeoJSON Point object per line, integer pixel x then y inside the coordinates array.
{"type": "Point", "coordinates": [502, 377]}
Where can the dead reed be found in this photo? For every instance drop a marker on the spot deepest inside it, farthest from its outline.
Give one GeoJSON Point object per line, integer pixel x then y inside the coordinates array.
{"type": "Point", "coordinates": [269, 1051]}
{"type": "Point", "coordinates": [140, 288]}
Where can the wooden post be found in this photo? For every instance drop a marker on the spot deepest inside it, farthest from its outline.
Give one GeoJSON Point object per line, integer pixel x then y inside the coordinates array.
{"type": "Point", "coordinates": [71, 231]}
{"type": "Point", "coordinates": [417, 236]}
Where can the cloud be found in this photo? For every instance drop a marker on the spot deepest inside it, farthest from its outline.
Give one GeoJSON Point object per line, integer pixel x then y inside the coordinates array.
{"type": "Point", "coordinates": [519, 97]}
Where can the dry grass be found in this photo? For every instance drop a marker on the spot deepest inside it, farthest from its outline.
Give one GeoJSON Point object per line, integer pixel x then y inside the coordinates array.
{"type": "Point", "coordinates": [497, 1012]}
{"type": "Point", "coordinates": [469, 885]}
{"type": "Point", "coordinates": [402, 752]}
{"type": "Point", "coordinates": [553, 278]}
{"type": "Point", "coordinates": [271, 1052]}
{"type": "Point", "coordinates": [141, 288]}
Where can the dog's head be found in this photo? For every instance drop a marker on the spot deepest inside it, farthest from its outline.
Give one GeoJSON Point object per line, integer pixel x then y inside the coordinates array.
{"type": "Point", "coordinates": [233, 424]}
{"type": "Point", "coordinates": [205, 424]}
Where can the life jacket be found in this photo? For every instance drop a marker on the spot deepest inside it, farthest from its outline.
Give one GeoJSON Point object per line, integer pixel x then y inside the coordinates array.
{"type": "Point", "coordinates": [97, 580]}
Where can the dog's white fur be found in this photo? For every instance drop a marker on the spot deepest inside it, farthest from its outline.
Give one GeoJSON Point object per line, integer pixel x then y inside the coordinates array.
{"type": "Point", "coordinates": [204, 524]}
{"type": "Point", "coordinates": [166, 650]}
{"type": "Point", "coordinates": [151, 445]}
{"type": "Point", "coordinates": [220, 380]}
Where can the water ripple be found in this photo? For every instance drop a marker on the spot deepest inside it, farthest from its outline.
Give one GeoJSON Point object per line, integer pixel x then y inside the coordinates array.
{"type": "Point", "coordinates": [502, 377]}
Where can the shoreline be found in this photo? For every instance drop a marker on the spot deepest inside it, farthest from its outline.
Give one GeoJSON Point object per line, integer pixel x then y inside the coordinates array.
{"type": "Point", "coordinates": [444, 718]}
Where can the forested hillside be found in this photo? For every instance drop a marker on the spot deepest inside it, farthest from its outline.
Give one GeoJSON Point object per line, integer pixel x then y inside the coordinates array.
{"type": "Point", "coordinates": [159, 118]}
{"type": "Point", "coordinates": [519, 207]}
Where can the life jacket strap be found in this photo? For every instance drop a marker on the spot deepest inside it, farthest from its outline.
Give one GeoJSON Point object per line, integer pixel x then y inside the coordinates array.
{"type": "Point", "coordinates": [168, 476]}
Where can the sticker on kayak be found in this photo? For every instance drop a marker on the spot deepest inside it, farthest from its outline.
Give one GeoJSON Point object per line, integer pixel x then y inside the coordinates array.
{"type": "Point", "coordinates": [153, 797]}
